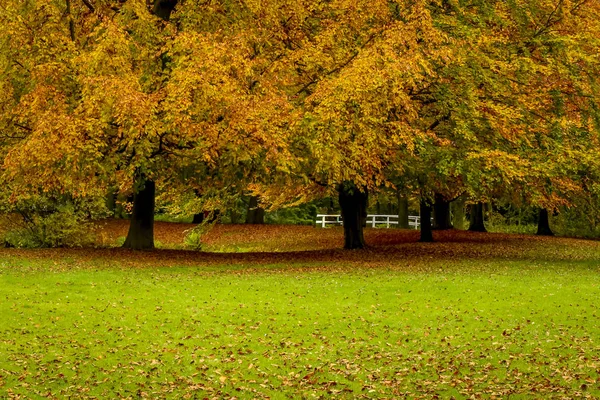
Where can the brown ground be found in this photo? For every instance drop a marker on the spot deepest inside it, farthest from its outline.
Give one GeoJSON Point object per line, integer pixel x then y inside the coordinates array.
{"type": "Point", "coordinates": [305, 246]}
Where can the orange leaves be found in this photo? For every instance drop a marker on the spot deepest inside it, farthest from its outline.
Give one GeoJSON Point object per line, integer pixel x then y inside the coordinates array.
{"type": "Point", "coordinates": [234, 92]}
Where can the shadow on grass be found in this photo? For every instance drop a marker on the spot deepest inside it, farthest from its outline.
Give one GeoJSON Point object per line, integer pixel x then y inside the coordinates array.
{"type": "Point", "coordinates": [389, 248]}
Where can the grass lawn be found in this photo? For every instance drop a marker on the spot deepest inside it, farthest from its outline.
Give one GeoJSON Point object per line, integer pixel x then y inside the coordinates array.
{"type": "Point", "coordinates": [470, 316]}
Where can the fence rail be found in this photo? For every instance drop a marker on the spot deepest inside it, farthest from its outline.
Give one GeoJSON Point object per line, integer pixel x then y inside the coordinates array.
{"type": "Point", "coordinates": [373, 220]}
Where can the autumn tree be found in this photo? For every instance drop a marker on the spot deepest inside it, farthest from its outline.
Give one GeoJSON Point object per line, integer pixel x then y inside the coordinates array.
{"type": "Point", "coordinates": [513, 115]}
{"type": "Point", "coordinates": [340, 97]}
{"type": "Point", "coordinates": [444, 96]}
{"type": "Point", "coordinates": [132, 95]}
{"type": "Point", "coordinates": [359, 75]}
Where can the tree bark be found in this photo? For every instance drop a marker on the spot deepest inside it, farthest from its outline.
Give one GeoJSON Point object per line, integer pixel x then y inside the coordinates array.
{"type": "Point", "coordinates": [198, 218]}
{"type": "Point", "coordinates": [255, 214]}
{"type": "Point", "coordinates": [426, 231]}
{"type": "Point", "coordinates": [476, 218]}
{"type": "Point", "coordinates": [141, 226]}
{"type": "Point", "coordinates": [111, 201]}
{"type": "Point", "coordinates": [353, 203]}
{"type": "Point", "coordinates": [441, 213]}
{"type": "Point", "coordinates": [402, 212]}
{"type": "Point", "coordinates": [234, 217]}
{"type": "Point", "coordinates": [544, 224]}
{"type": "Point", "coordinates": [163, 8]}
{"type": "Point", "coordinates": [458, 209]}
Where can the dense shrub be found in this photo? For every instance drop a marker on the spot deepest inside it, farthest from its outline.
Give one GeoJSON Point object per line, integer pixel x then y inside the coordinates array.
{"type": "Point", "coordinates": [506, 218]}
{"type": "Point", "coordinates": [582, 221]}
{"type": "Point", "coordinates": [52, 222]}
{"type": "Point", "coordinates": [305, 214]}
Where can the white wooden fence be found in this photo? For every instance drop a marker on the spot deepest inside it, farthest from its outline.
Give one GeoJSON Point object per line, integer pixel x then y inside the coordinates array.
{"type": "Point", "coordinates": [372, 220]}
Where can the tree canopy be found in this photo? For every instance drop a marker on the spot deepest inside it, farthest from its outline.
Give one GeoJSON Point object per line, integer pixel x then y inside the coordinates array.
{"type": "Point", "coordinates": [489, 98]}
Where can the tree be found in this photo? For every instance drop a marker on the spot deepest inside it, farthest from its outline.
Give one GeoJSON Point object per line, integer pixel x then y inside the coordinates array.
{"type": "Point", "coordinates": [361, 76]}
{"type": "Point", "coordinates": [314, 98]}
{"type": "Point", "coordinates": [255, 214]}
{"type": "Point", "coordinates": [426, 228]}
{"type": "Point", "coordinates": [135, 99]}
{"type": "Point", "coordinates": [544, 224]}
{"type": "Point", "coordinates": [403, 221]}
{"type": "Point", "coordinates": [441, 213]}
{"type": "Point", "coordinates": [453, 98]}
{"type": "Point", "coordinates": [476, 218]}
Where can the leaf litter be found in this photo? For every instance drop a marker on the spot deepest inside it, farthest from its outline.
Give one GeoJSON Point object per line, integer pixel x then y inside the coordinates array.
{"type": "Point", "coordinates": [471, 316]}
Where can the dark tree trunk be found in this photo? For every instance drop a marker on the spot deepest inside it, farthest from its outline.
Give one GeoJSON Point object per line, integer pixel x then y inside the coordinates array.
{"type": "Point", "coordinates": [141, 226]}
{"type": "Point", "coordinates": [234, 217]}
{"type": "Point", "coordinates": [544, 224]}
{"type": "Point", "coordinates": [353, 203]}
{"type": "Point", "coordinates": [111, 201]}
{"type": "Point", "coordinates": [255, 214]}
{"type": "Point", "coordinates": [441, 213]}
{"type": "Point", "coordinates": [391, 208]}
{"type": "Point", "coordinates": [402, 212]}
{"type": "Point", "coordinates": [476, 218]}
{"type": "Point", "coordinates": [208, 216]}
{"type": "Point", "coordinates": [458, 209]}
{"type": "Point", "coordinates": [163, 8]}
{"type": "Point", "coordinates": [198, 218]}
{"type": "Point", "coordinates": [426, 231]}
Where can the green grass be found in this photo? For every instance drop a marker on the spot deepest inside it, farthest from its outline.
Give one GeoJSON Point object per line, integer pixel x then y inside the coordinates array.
{"type": "Point", "coordinates": [446, 327]}
{"type": "Point", "coordinates": [173, 218]}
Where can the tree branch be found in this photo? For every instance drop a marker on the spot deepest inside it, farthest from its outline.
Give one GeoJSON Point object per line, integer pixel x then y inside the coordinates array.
{"type": "Point", "coordinates": [71, 22]}
{"type": "Point", "coordinates": [89, 5]}
{"type": "Point", "coordinates": [23, 127]}
{"type": "Point", "coordinates": [339, 67]}
{"type": "Point", "coordinates": [549, 20]}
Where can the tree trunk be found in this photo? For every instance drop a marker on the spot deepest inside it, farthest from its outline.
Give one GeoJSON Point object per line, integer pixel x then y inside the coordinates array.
{"type": "Point", "coordinates": [544, 224]}
{"type": "Point", "coordinates": [255, 214]}
{"type": "Point", "coordinates": [426, 231]}
{"type": "Point", "coordinates": [111, 201]}
{"type": "Point", "coordinates": [141, 226]}
{"type": "Point", "coordinates": [458, 209]}
{"type": "Point", "coordinates": [402, 212]}
{"type": "Point", "coordinates": [476, 218]}
{"type": "Point", "coordinates": [163, 8]}
{"type": "Point", "coordinates": [353, 203]}
{"type": "Point", "coordinates": [208, 216]}
{"type": "Point", "coordinates": [234, 217]}
{"type": "Point", "coordinates": [441, 213]}
{"type": "Point", "coordinates": [198, 218]}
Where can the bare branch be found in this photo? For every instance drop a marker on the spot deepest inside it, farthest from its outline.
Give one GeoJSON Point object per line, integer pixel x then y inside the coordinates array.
{"type": "Point", "coordinates": [341, 66]}
{"type": "Point", "coordinates": [71, 22]}
{"type": "Point", "coordinates": [89, 5]}
{"type": "Point", "coordinates": [23, 127]}
{"type": "Point", "coordinates": [549, 20]}
{"type": "Point", "coordinates": [21, 65]}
